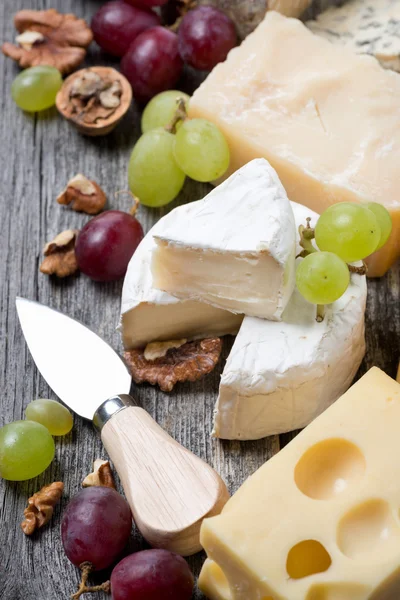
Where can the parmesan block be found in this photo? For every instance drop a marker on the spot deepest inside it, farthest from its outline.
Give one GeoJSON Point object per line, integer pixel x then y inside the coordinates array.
{"type": "Point", "coordinates": [326, 119]}
{"type": "Point", "coordinates": [149, 315]}
{"type": "Point", "coordinates": [280, 376]}
{"type": "Point", "coordinates": [318, 521]}
{"type": "Point", "coordinates": [234, 249]}
{"type": "Point", "coordinates": [365, 27]}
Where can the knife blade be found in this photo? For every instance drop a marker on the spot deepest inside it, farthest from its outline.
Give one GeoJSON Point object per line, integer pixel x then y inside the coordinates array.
{"type": "Point", "coordinates": [169, 489]}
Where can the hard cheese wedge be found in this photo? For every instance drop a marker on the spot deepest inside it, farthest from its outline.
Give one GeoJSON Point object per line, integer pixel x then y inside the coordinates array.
{"type": "Point", "coordinates": [319, 521]}
{"type": "Point", "coordinates": [279, 376]}
{"type": "Point", "coordinates": [326, 119]}
{"type": "Point", "coordinates": [365, 27]}
{"type": "Point", "coordinates": [234, 249]}
{"type": "Point", "coordinates": [149, 315]}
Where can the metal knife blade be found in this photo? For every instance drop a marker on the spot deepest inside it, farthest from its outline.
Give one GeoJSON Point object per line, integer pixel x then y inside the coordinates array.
{"type": "Point", "coordinates": [80, 367]}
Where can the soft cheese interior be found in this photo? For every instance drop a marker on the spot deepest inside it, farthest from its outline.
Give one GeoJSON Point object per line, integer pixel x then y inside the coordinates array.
{"type": "Point", "coordinates": [327, 120]}
{"type": "Point", "coordinates": [234, 249]}
{"type": "Point", "coordinates": [149, 315]}
{"type": "Point", "coordinates": [279, 376]}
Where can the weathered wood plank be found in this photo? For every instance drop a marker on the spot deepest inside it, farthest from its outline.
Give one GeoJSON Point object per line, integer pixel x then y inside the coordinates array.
{"type": "Point", "coordinates": [37, 157]}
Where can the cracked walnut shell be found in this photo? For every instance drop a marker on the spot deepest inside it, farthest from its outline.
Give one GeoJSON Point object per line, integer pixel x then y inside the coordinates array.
{"type": "Point", "coordinates": [84, 195]}
{"type": "Point", "coordinates": [188, 362]}
{"type": "Point", "coordinates": [60, 256]}
{"type": "Point", "coordinates": [95, 99]}
{"type": "Point", "coordinates": [48, 37]}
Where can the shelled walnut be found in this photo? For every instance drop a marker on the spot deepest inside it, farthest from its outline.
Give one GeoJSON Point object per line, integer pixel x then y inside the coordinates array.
{"type": "Point", "coordinates": [60, 256]}
{"type": "Point", "coordinates": [41, 507]}
{"type": "Point", "coordinates": [187, 362]}
{"type": "Point", "coordinates": [95, 99]}
{"type": "Point", "coordinates": [102, 475]}
{"type": "Point", "coordinates": [47, 37]}
{"type": "Point", "coordinates": [83, 195]}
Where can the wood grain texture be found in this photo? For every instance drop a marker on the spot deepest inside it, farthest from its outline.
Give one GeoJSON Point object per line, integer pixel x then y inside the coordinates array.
{"type": "Point", "coordinates": [38, 155]}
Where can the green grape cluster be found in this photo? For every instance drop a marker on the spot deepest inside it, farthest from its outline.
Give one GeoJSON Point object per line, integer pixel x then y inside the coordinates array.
{"type": "Point", "coordinates": [27, 447]}
{"type": "Point", "coordinates": [344, 233]}
{"type": "Point", "coordinates": [35, 89]}
{"type": "Point", "coordinates": [162, 159]}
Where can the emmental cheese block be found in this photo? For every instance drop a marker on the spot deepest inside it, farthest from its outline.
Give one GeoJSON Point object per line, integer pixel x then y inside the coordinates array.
{"type": "Point", "coordinates": [148, 315]}
{"type": "Point", "coordinates": [326, 119]}
{"type": "Point", "coordinates": [365, 27]}
{"type": "Point", "coordinates": [234, 249]}
{"type": "Point", "coordinates": [320, 520]}
{"type": "Point", "coordinates": [279, 376]}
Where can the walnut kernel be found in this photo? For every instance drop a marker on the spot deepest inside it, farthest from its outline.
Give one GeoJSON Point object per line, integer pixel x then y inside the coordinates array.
{"type": "Point", "coordinates": [101, 476]}
{"type": "Point", "coordinates": [49, 38]}
{"type": "Point", "coordinates": [41, 507]}
{"type": "Point", "coordinates": [84, 194]}
{"type": "Point", "coordinates": [60, 255]}
{"type": "Point", "coordinates": [189, 362]}
{"type": "Point", "coordinates": [158, 349]}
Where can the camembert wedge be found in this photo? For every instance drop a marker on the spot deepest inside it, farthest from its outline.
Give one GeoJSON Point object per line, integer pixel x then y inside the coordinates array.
{"type": "Point", "coordinates": [234, 249]}
{"type": "Point", "coordinates": [279, 376]}
{"type": "Point", "coordinates": [327, 119]}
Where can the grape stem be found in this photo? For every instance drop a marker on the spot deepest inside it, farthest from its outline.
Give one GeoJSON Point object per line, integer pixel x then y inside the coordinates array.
{"type": "Point", "coordinates": [180, 115]}
{"type": "Point", "coordinates": [86, 568]}
{"type": "Point", "coordinates": [183, 7]}
{"type": "Point", "coordinates": [320, 313]}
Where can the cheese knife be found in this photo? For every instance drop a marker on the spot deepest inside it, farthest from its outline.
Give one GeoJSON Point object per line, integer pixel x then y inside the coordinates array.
{"type": "Point", "coordinates": [169, 489]}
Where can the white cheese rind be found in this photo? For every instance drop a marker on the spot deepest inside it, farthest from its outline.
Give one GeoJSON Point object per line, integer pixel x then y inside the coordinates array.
{"type": "Point", "coordinates": [364, 26]}
{"type": "Point", "coordinates": [281, 375]}
{"type": "Point", "coordinates": [235, 248]}
{"type": "Point", "coordinates": [149, 315]}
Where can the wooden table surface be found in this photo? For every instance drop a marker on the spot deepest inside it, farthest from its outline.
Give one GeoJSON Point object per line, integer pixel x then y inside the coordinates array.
{"type": "Point", "coordinates": [38, 154]}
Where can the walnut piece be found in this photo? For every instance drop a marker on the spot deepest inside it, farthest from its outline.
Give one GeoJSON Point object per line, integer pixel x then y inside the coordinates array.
{"type": "Point", "coordinates": [95, 99]}
{"type": "Point", "coordinates": [49, 38]}
{"type": "Point", "coordinates": [189, 362]}
{"type": "Point", "coordinates": [41, 506]}
{"type": "Point", "coordinates": [101, 476]}
{"type": "Point", "coordinates": [158, 349]}
{"type": "Point", "coordinates": [60, 255]}
{"type": "Point", "coordinates": [85, 195]}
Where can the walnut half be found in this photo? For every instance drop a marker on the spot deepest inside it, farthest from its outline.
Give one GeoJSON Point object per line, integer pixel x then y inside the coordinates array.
{"type": "Point", "coordinates": [60, 256]}
{"type": "Point", "coordinates": [48, 37]}
{"type": "Point", "coordinates": [95, 99]}
{"type": "Point", "coordinates": [84, 195]}
{"type": "Point", "coordinates": [188, 362]}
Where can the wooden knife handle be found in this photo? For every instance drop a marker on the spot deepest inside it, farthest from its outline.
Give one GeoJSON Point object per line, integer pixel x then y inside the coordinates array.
{"type": "Point", "coordinates": [169, 489]}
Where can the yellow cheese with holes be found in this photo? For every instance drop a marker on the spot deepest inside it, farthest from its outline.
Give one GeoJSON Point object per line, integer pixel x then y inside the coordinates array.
{"type": "Point", "coordinates": [326, 119]}
{"type": "Point", "coordinates": [320, 520]}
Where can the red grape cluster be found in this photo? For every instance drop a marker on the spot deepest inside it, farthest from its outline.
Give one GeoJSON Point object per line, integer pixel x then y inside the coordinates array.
{"type": "Point", "coordinates": [95, 529]}
{"type": "Point", "coordinates": [152, 55]}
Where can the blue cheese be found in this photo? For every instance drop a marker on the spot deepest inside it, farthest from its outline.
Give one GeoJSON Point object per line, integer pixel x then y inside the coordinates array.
{"type": "Point", "coordinates": [364, 26]}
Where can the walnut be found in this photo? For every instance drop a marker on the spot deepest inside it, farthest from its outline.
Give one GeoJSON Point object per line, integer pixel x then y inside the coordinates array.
{"type": "Point", "coordinates": [41, 506]}
{"type": "Point", "coordinates": [95, 99]}
{"type": "Point", "coordinates": [85, 195]}
{"type": "Point", "coordinates": [159, 349]}
{"type": "Point", "coordinates": [101, 476]}
{"type": "Point", "coordinates": [48, 37]}
{"type": "Point", "coordinates": [189, 362]}
{"type": "Point", "coordinates": [60, 255]}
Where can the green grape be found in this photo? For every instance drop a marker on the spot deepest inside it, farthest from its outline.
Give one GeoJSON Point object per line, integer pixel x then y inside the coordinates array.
{"type": "Point", "coordinates": [201, 150]}
{"type": "Point", "coordinates": [154, 176]}
{"type": "Point", "coordinates": [36, 88]}
{"type": "Point", "coordinates": [26, 450]}
{"type": "Point", "coordinates": [349, 230]}
{"type": "Point", "coordinates": [322, 277]}
{"type": "Point", "coordinates": [53, 415]}
{"type": "Point", "coordinates": [384, 221]}
{"type": "Point", "coordinates": [161, 109]}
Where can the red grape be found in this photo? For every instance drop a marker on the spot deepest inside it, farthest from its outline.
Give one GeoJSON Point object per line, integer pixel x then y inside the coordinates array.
{"type": "Point", "coordinates": [205, 37]}
{"type": "Point", "coordinates": [152, 63]}
{"type": "Point", "coordinates": [117, 24]}
{"type": "Point", "coordinates": [96, 527]}
{"type": "Point", "coordinates": [148, 3]}
{"type": "Point", "coordinates": [106, 244]}
{"type": "Point", "coordinates": [152, 575]}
